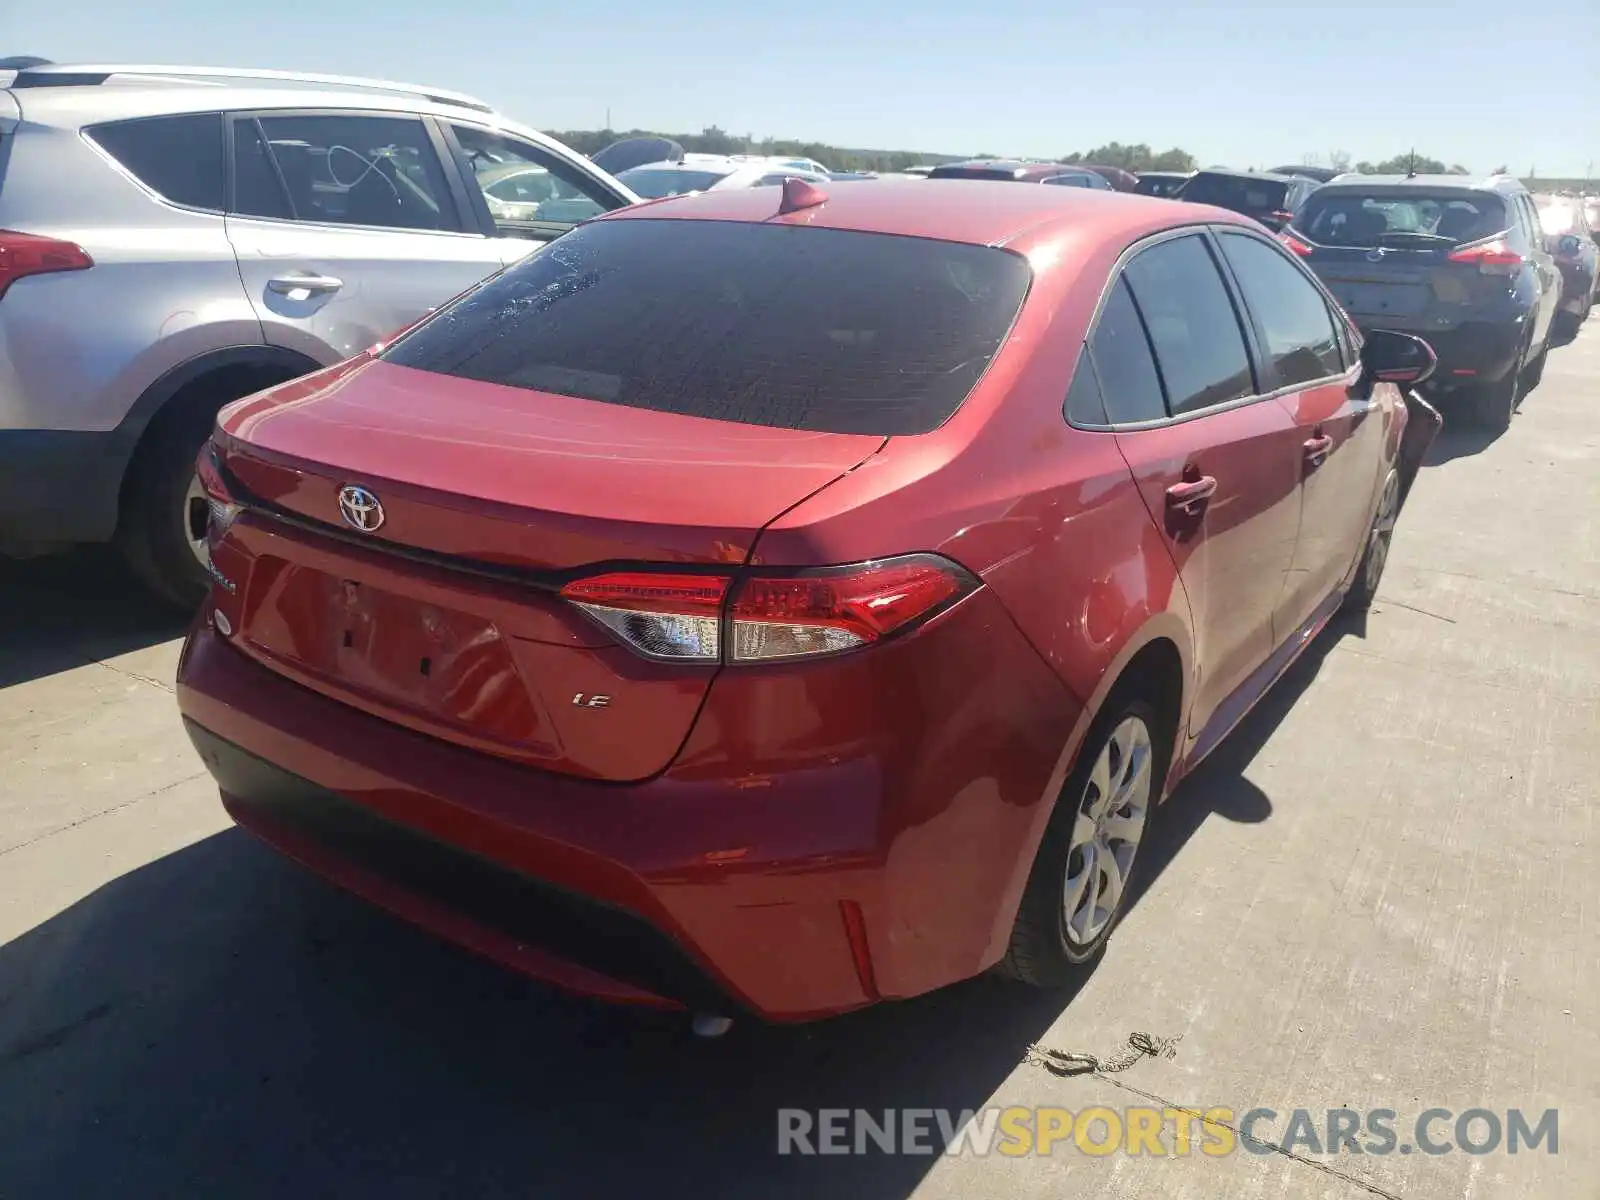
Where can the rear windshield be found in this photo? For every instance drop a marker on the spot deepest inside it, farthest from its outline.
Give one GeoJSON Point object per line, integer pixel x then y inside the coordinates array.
{"type": "Point", "coordinates": [654, 184]}
{"type": "Point", "coordinates": [1343, 216]}
{"type": "Point", "coordinates": [778, 325]}
{"type": "Point", "coordinates": [1240, 195]}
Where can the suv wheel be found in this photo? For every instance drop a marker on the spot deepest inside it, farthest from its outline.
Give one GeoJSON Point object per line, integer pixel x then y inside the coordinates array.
{"type": "Point", "coordinates": [1493, 404]}
{"type": "Point", "coordinates": [162, 530]}
{"type": "Point", "coordinates": [1079, 885]}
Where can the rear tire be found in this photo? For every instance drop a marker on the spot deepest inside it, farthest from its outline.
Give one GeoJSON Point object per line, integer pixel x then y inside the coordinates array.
{"type": "Point", "coordinates": [1090, 848]}
{"type": "Point", "coordinates": [1535, 370]}
{"type": "Point", "coordinates": [163, 518]}
{"type": "Point", "coordinates": [1494, 404]}
{"type": "Point", "coordinates": [1364, 588]}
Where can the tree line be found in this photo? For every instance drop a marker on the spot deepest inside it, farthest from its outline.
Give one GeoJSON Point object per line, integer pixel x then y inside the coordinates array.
{"type": "Point", "coordinates": [1137, 156]}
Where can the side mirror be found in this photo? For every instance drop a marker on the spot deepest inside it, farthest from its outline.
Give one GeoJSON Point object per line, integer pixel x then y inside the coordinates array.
{"type": "Point", "coordinates": [1391, 357]}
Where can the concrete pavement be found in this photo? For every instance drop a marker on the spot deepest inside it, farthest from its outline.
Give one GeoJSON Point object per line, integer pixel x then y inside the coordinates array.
{"type": "Point", "coordinates": [1380, 894]}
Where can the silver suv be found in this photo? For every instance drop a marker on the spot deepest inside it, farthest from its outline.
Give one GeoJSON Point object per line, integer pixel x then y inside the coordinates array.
{"type": "Point", "coordinates": [173, 238]}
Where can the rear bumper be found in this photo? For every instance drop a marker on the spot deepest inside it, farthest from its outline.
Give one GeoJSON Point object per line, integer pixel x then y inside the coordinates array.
{"type": "Point", "coordinates": [58, 487]}
{"type": "Point", "coordinates": [793, 890]}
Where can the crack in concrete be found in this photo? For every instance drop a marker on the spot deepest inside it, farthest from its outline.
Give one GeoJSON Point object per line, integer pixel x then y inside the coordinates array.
{"type": "Point", "coordinates": [1354, 1181]}
{"type": "Point", "coordinates": [100, 662]}
{"type": "Point", "coordinates": [104, 812]}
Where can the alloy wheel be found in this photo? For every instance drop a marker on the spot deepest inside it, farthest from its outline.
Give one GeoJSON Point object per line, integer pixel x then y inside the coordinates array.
{"type": "Point", "coordinates": [1383, 531]}
{"type": "Point", "coordinates": [1112, 814]}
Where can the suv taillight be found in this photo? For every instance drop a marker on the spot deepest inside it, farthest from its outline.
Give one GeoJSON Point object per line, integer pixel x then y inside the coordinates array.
{"type": "Point", "coordinates": [1293, 244]}
{"type": "Point", "coordinates": [24, 254]}
{"type": "Point", "coordinates": [768, 616]}
{"type": "Point", "coordinates": [1492, 256]}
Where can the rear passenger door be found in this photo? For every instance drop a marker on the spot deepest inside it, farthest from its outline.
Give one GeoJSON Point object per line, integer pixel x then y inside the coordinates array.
{"type": "Point", "coordinates": [346, 226]}
{"type": "Point", "coordinates": [1341, 433]}
{"type": "Point", "coordinates": [1217, 465]}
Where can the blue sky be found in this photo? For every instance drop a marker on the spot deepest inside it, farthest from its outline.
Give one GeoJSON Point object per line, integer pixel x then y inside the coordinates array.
{"type": "Point", "coordinates": [1481, 82]}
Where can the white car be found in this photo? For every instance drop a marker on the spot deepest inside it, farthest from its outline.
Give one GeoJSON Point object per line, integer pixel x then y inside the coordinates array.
{"type": "Point", "coordinates": [705, 173]}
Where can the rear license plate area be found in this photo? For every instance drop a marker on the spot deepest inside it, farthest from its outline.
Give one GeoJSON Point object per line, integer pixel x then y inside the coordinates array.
{"type": "Point", "coordinates": [350, 639]}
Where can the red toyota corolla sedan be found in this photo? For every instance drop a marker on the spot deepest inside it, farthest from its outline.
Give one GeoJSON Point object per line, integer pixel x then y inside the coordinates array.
{"type": "Point", "coordinates": [773, 602]}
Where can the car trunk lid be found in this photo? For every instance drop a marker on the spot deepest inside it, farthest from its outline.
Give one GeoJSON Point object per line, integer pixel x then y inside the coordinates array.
{"type": "Point", "coordinates": [444, 616]}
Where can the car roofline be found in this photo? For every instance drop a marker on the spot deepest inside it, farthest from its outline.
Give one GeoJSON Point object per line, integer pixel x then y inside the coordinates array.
{"type": "Point", "coordinates": [99, 74]}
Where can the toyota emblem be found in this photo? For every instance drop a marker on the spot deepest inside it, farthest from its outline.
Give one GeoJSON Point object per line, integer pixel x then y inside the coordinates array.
{"type": "Point", "coordinates": [360, 508]}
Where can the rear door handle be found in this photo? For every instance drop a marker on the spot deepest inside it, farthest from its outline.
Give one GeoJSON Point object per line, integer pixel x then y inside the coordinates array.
{"type": "Point", "coordinates": [1191, 495]}
{"type": "Point", "coordinates": [1318, 449]}
{"type": "Point", "coordinates": [316, 285]}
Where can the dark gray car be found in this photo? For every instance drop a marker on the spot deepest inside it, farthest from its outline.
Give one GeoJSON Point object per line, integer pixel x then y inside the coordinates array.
{"type": "Point", "coordinates": [1460, 262]}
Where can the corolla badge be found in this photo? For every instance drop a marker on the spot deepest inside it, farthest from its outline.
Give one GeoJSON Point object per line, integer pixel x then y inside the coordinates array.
{"type": "Point", "coordinates": [360, 508]}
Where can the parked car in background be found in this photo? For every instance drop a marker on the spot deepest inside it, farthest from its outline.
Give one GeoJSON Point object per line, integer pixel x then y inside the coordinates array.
{"type": "Point", "coordinates": [1460, 261]}
{"type": "Point", "coordinates": [920, 171]}
{"type": "Point", "coordinates": [227, 230]}
{"type": "Point", "coordinates": [1074, 478]}
{"type": "Point", "coordinates": [1320, 174]}
{"type": "Point", "coordinates": [1120, 180]}
{"type": "Point", "coordinates": [1016, 171]}
{"type": "Point", "coordinates": [705, 173]}
{"type": "Point", "coordinates": [804, 166]}
{"type": "Point", "coordinates": [635, 152]}
{"type": "Point", "coordinates": [1571, 240]}
{"type": "Point", "coordinates": [1268, 198]}
{"type": "Point", "coordinates": [1161, 183]}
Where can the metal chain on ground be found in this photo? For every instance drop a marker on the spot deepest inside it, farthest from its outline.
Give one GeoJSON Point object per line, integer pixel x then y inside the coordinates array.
{"type": "Point", "coordinates": [1072, 1062]}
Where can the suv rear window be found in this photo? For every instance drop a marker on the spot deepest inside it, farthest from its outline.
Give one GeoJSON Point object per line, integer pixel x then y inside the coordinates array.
{"type": "Point", "coordinates": [178, 158]}
{"type": "Point", "coordinates": [1342, 216]}
{"type": "Point", "coordinates": [1236, 194]}
{"type": "Point", "coordinates": [797, 328]}
{"type": "Point", "coordinates": [972, 173]}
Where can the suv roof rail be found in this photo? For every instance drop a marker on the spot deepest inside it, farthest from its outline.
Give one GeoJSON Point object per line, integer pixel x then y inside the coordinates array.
{"type": "Point", "coordinates": [94, 74]}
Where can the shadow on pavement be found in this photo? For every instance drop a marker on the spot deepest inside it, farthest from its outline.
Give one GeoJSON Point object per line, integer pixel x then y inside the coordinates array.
{"type": "Point", "coordinates": [1460, 438]}
{"type": "Point", "coordinates": [60, 612]}
{"type": "Point", "coordinates": [220, 1023]}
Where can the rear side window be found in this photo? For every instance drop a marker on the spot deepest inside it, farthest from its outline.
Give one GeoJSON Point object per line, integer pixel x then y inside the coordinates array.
{"type": "Point", "coordinates": [1129, 383]}
{"type": "Point", "coordinates": [1293, 316]}
{"type": "Point", "coordinates": [1085, 405]}
{"type": "Point", "coordinates": [1198, 343]}
{"type": "Point", "coordinates": [777, 325]}
{"type": "Point", "coordinates": [1347, 216]}
{"type": "Point", "coordinates": [344, 169]}
{"type": "Point", "coordinates": [178, 158]}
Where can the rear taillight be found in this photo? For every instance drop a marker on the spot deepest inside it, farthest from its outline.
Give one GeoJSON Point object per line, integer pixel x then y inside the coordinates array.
{"type": "Point", "coordinates": [674, 617]}
{"type": "Point", "coordinates": [1294, 244]}
{"type": "Point", "coordinates": [24, 254]}
{"type": "Point", "coordinates": [764, 617]}
{"type": "Point", "coordinates": [221, 501]}
{"type": "Point", "coordinates": [1492, 256]}
{"type": "Point", "coordinates": [1284, 215]}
